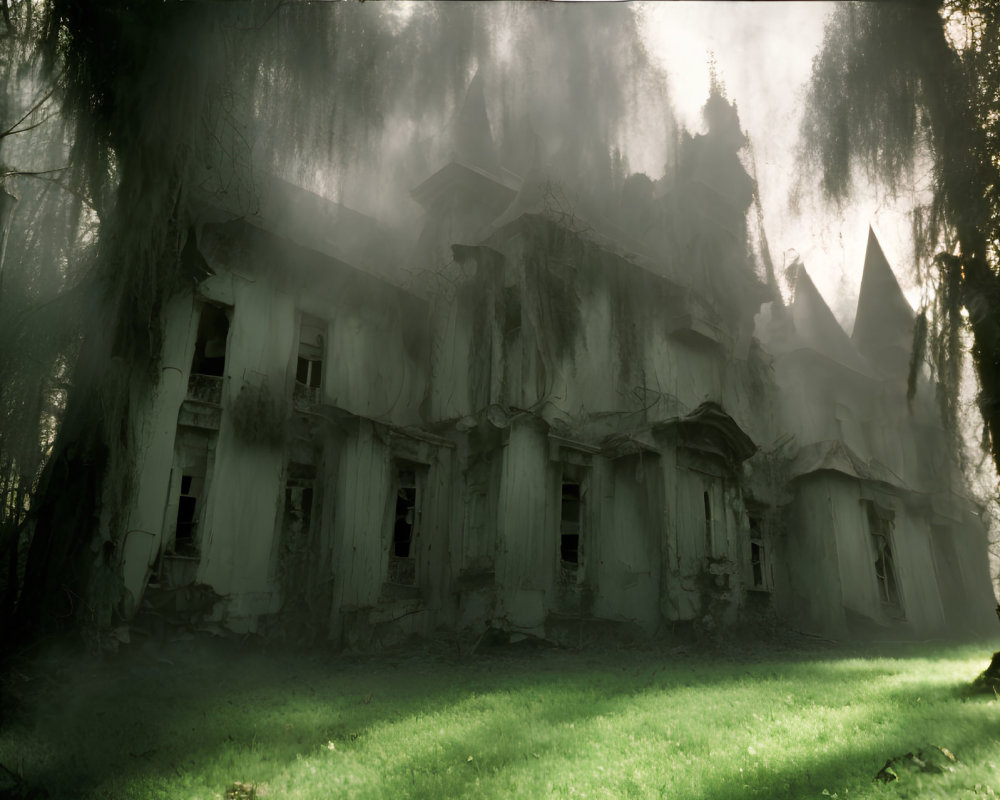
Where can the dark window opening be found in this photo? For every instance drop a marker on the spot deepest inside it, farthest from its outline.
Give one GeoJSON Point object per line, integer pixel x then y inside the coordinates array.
{"type": "Point", "coordinates": [402, 532]}
{"type": "Point", "coordinates": [210, 349]}
{"type": "Point", "coordinates": [569, 525]}
{"type": "Point", "coordinates": [880, 524]}
{"type": "Point", "coordinates": [309, 366]}
{"type": "Point", "coordinates": [708, 522]}
{"type": "Point", "coordinates": [402, 564]}
{"type": "Point", "coordinates": [297, 548]}
{"type": "Point", "coordinates": [757, 562]}
{"type": "Point", "coordinates": [298, 506]}
{"type": "Point", "coordinates": [511, 309]}
{"type": "Point", "coordinates": [186, 531]}
{"type": "Point", "coordinates": [309, 373]}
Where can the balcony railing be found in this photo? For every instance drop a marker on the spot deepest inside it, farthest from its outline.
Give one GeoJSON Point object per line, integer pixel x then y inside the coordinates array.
{"type": "Point", "coordinates": [305, 397]}
{"type": "Point", "coordinates": [205, 389]}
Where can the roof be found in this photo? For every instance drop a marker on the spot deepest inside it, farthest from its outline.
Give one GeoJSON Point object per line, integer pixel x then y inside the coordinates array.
{"type": "Point", "coordinates": [473, 142]}
{"type": "Point", "coordinates": [711, 430]}
{"type": "Point", "coordinates": [835, 456]}
{"type": "Point", "coordinates": [310, 220]}
{"type": "Point", "coordinates": [817, 329]}
{"type": "Point", "coordinates": [883, 325]}
{"type": "Point", "coordinates": [497, 189]}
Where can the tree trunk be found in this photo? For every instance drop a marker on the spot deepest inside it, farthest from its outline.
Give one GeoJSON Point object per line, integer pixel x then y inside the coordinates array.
{"type": "Point", "coordinates": [65, 507]}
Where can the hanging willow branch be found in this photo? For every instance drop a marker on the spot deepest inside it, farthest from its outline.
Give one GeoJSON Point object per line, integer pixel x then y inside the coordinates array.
{"type": "Point", "coordinates": [888, 88]}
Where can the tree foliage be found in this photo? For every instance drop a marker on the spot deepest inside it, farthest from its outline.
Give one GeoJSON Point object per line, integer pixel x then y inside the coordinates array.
{"type": "Point", "coordinates": [160, 105]}
{"type": "Point", "coordinates": [896, 87]}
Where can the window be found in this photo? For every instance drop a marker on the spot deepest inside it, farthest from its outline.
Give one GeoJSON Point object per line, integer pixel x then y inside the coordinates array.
{"type": "Point", "coordinates": [309, 366]}
{"type": "Point", "coordinates": [759, 578]}
{"type": "Point", "coordinates": [707, 503]}
{"type": "Point", "coordinates": [572, 524]}
{"type": "Point", "coordinates": [189, 490]}
{"type": "Point", "coordinates": [188, 509]}
{"type": "Point", "coordinates": [210, 348]}
{"type": "Point", "coordinates": [294, 554]}
{"type": "Point", "coordinates": [208, 366]}
{"type": "Point", "coordinates": [880, 522]}
{"type": "Point", "coordinates": [569, 526]}
{"type": "Point", "coordinates": [405, 524]}
{"type": "Point", "coordinates": [511, 310]}
{"type": "Point", "coordinates": [298, 506]}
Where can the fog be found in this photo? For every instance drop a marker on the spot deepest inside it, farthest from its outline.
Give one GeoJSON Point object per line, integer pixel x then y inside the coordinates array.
{"type": "Point", "coordinates": [567, 87]}
{"type": "Point", "coordinates": [655, 150]}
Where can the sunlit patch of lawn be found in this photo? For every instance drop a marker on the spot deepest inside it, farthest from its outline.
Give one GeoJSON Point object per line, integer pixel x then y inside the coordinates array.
{"type": "Point", "coordinates": [614, 724]}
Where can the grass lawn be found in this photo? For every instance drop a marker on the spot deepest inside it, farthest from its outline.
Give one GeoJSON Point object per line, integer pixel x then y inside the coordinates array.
{"type": "Point", "coordinates": [216, 720]}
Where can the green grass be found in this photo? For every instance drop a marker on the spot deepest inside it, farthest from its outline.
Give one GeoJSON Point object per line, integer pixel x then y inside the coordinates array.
{"type": "Point", "coordinates": [615, 724]}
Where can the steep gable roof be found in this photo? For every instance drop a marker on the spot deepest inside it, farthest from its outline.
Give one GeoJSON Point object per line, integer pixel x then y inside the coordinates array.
{"type": "Point", "coordinates": [815, 326]}
{"type": "Point", "coordinates": [473, 143]}
{"type": "Point", "coordinates": [883, 325]}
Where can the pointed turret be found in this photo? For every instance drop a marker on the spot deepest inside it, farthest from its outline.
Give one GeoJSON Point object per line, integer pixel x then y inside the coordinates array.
{"type": "Point", "coordinates": [471, 190]}
{"type": "Point", "coordinates": [473, 142]}
{"type": "Point", "coordinates": [530, 198]}
{"type": "Point", "coordinates": [817, 328]}
{"type": "Point", "coordinates": [883, 325]}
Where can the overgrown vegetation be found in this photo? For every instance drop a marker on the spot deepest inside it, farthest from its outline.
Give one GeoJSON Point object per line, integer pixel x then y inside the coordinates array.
{"type": "Point", "coordinates": [147, 108]}
{"type": "Point", "coordinates": [186, 722]}
{"type": "Point", "coordinates": [899, 88]}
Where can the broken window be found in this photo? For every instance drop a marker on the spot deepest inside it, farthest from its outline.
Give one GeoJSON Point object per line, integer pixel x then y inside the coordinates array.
{"type": "Point", "coordinates": [210, 349]}
{"type": "Point", "coordinates": [402, 561]}
{"type": "Point", "coordinates": [309, 366]}
{"type": "Point", "coordinates": [186, 532]}
{"type": "Point", "coordinates": [193, 454]}
{"type": "Point", "coordinates": [758, 560]}
{"type": "Point", "coordinates": [707, 503]}
{"type": "Point", "coordinates": [880, 522]}
{"type": "Point", "coordinates": [296, 526]}
{"type": "Point", "coordinates": [209, 362]}
{"type": "Point", "coordinates": [569, 525]}
{"type": "Point", "coordinates": [511, 310]}
{"type": "Point", "coordinates": [298, 506]}
{"type": "Point", "coordinates": [572, 514]}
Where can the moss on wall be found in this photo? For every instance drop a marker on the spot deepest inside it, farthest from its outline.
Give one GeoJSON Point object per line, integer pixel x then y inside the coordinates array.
{"type": "Point", "coordinates": [258, 417]}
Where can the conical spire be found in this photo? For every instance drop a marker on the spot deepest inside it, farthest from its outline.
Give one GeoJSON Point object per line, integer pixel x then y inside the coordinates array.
{"type": "Point", "coordinates": [883, 325]}
{"type": "Point", "coordinates": [816, 327]}
{"type": "Point", "coordinates": [530, 198]}
{"type": "Point", "coordinates": [474, 143]}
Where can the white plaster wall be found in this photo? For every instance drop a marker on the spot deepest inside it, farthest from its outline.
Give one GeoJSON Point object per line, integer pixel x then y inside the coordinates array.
{"type": "Point", "coordinates": [369, 372]}
{"type": "Point", "coordinates": [359, 542]}
{"type": "Point", "coordinates": [451, 363]}
{"type": "Point", "coordinates": [246, 492]}
{"type": "Point", "coordinates": [915, 571]}
{"type": "Point", "coordinates": [155, 423]}
{"type": "Point", "coordinates": [525, 551]}
{"type": "Point", "coordinates": [849, 519]}
{"type": "Point", "coordinates": [815, 598]}
{"type": "Point", "coordinates": [624, 559]}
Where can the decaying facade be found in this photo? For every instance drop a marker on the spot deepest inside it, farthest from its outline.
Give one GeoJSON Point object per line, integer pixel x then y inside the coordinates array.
{"type": "Point", "coordinates": [552, 430]}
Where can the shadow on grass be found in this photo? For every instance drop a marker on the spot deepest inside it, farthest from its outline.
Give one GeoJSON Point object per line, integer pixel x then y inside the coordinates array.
{"type": "Point", "coordinates": [502, 758]}
{"type": "Point", "coordinates": [144, 719]}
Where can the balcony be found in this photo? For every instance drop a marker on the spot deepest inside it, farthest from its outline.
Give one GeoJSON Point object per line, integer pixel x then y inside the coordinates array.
{"type": "Point", "coordinates": [306, 398]}
{"type": "Point", "coordinates": [205, 389]}
{"type": "Point", "coordinates": [202, 407]}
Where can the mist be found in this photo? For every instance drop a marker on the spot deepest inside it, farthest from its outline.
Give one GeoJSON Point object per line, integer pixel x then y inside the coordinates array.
{"type": "Point", "coordinates": [423, 334]}
{"type": "Point", "coordinates": [437, 218]}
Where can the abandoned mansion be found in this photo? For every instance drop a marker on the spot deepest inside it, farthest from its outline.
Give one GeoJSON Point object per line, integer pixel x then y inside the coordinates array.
{"type": "Point", "coordinates": [539, 421]}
